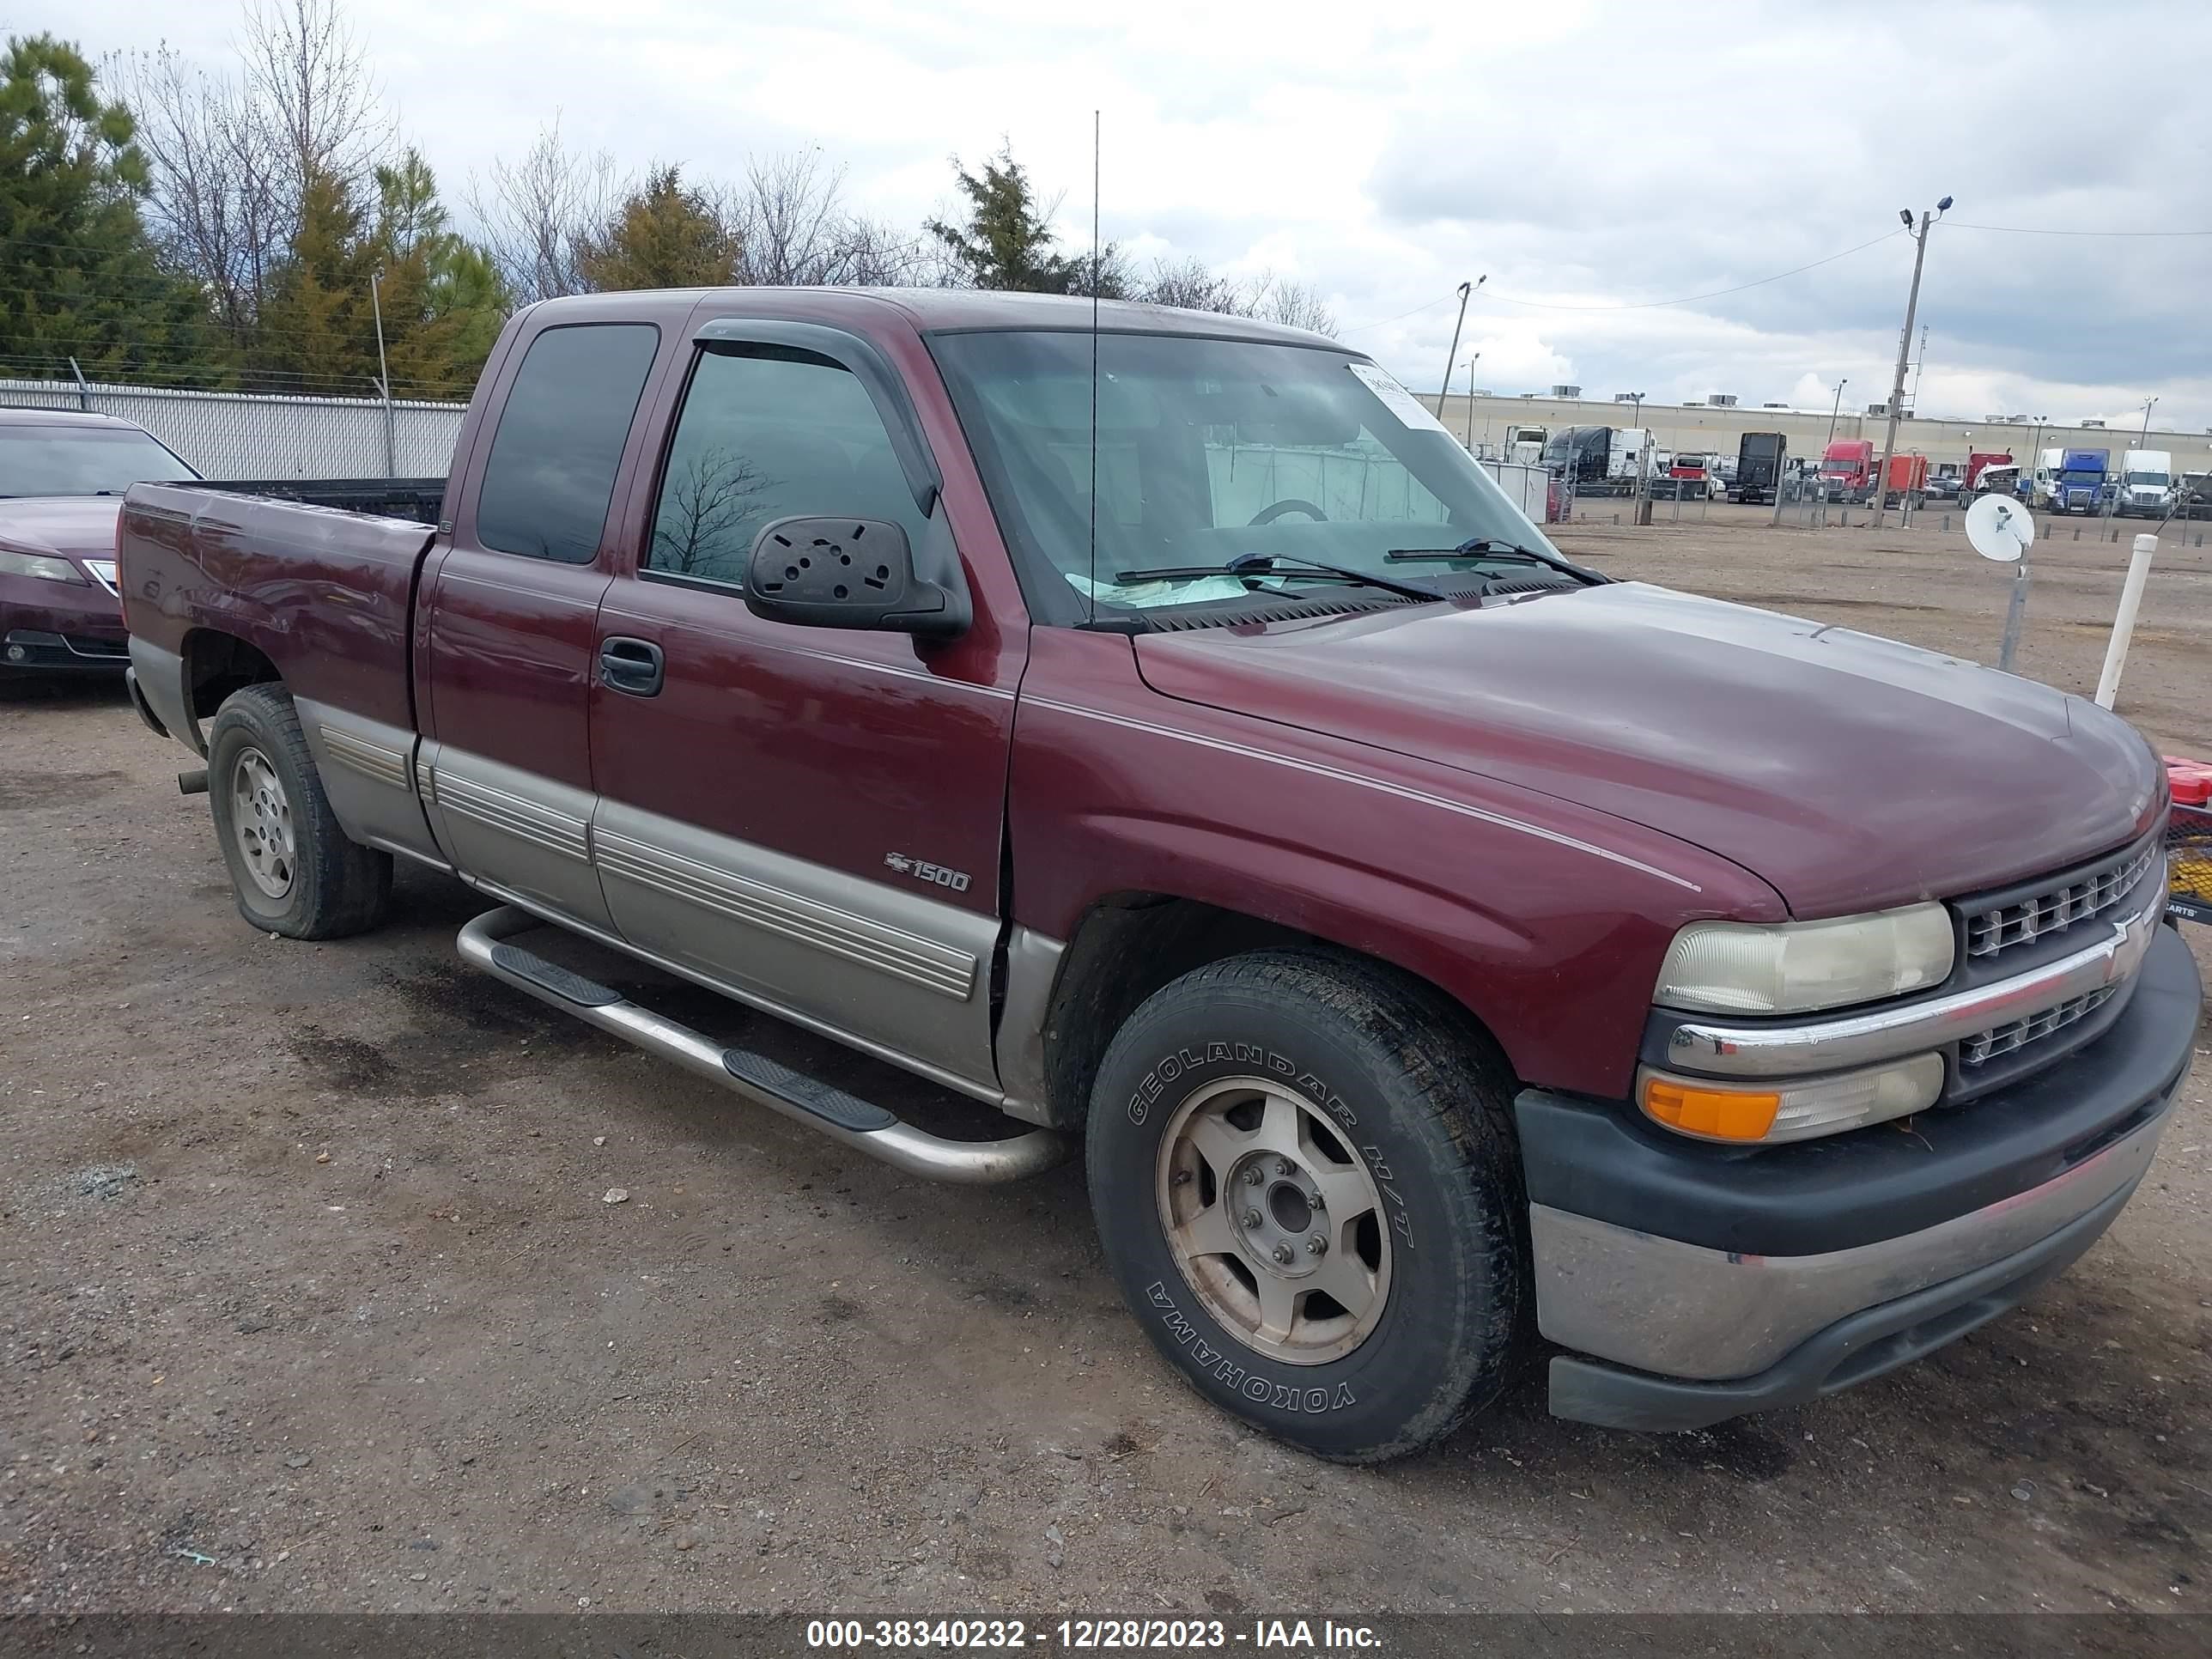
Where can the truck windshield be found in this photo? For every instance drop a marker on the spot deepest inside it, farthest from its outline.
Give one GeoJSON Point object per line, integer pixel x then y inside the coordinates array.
{"type": "Point", "coordinates": [2157, 479]}
{"type": "Point", "coordinates": [1208, 451]}
{"type": "Point", "coordinates": [69, 460]}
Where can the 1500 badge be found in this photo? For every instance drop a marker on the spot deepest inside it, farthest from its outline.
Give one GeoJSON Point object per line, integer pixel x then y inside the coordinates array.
{"type": "Point", "coordinates": [921, 870]}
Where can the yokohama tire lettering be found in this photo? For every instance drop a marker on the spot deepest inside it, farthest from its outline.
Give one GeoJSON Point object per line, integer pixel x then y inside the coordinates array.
{"type": "Point", "coordinates": [1225, 1370]}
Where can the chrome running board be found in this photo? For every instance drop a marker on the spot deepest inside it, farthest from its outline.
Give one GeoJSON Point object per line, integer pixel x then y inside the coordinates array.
{"type": "Point", "coordinates": [859, 1124]}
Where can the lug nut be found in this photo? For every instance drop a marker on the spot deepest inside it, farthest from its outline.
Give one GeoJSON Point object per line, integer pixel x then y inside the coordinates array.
{"type": "Point", "coordinates": [1285, 1167]}
{"type": "Point", "coordinates": [1283, 1254]}
{"type": "Point", "coordinates": [1251, 1219]}
{"type": "Point", "coordinates": [1316, 1245]}
{"type": "Point", "coordinates": [1314, 1200]}
{"type": "Point", "coordinates": [1253, 1177]}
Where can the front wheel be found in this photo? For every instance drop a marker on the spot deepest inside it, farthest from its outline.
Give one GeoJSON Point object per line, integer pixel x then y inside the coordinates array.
{"type": "Point", "coordinates": [294, 870]}
{"type": "Point", "coordinates": [1307, 1184]}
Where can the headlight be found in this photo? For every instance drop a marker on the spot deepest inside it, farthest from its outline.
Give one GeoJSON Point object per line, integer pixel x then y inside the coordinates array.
{"type": "Point", "coordinates": [32, 564]}
{"type": "Point", "coordinates": [1769, 1113]}
{"type": "Point", "coordinates": [1736, 968]}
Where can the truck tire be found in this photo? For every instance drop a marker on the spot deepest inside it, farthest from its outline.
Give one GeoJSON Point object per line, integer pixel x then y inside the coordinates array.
{"type": "Point", "coordinates": [295, 873]}
{"type": "Point", "coordinates": [1307, 1183]}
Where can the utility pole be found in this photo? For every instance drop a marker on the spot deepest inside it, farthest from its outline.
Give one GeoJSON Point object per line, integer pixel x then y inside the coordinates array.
{"type": "Point", "coordinates": [2143, 442]}
{"type": "Point", "coordinates": [1838, 409]}
{"type": "Point", "coordinates": [1641, 514]}
{"type": "Point", "coordinates": [1920, 368]}
{"type": "Point", "coordinates": [1471, 363]}
{"type": "Point", "coordinates": [383, 378]}
{"type": "Point", "coordinates": [1904, 348]}
{"type": "Point", "coordinates": [1451, 357]}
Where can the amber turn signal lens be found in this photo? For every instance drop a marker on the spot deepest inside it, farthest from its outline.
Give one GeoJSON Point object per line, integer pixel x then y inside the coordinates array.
{"type": "Point", "coordinates": [1718, 1114]}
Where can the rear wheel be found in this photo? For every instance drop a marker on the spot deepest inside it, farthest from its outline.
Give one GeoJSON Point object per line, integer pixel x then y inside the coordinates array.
{"type": "Point", "coordinates": [294, 870]}
{"type": "Point", "coordinates": [1307, 1184]}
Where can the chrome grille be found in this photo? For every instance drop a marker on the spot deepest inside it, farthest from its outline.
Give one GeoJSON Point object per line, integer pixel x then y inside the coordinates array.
{"type": "Point", "coordinates": [2017, 1033]}
{"type": "Point", "coordinates": [2001, 926]}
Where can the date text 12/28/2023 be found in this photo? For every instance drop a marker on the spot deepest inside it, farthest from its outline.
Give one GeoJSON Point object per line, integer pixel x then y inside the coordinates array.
{"type": "Point", "coordinates": [1167, 1635]}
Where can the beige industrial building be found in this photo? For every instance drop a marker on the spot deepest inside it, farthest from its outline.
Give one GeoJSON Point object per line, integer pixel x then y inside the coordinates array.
{"type": "Point", "coordinates": [1717, 428]}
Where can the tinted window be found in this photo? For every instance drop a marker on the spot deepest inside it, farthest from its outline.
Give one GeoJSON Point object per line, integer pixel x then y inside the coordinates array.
{"type": "Point", "coordinates": [82, 460]}
{"type": "Point", "coordinates": [560, 440]}
{"type": "Point", "coordinates": [768, 432]}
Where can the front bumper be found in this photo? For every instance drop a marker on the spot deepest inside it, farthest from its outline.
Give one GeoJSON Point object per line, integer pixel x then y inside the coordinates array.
{"type": "Point", "coordinates": [46, 626]}
{"type": "Point", "coordinates": [45, 651]}
{"type": "Point", "coordinates": [1698, 1282]}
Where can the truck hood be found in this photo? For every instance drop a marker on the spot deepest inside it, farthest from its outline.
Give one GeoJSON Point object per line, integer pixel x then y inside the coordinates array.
{"type": "Point", "coordinates": [1851, 773]}
{"type": "Point", "coordinates": [74, 527]}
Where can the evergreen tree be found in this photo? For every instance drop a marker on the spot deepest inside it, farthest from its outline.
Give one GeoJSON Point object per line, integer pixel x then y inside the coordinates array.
{"type": "Point", "coordinates": [443, 301]}
{"type": "Point", "coordinates": [317, 330]}
{"type": "Point", "coordinates": [662, 234]}
{"type": "Point", "coordinates": [1007, 240]}
{"type": "Point", "coordinates": [79, 276]}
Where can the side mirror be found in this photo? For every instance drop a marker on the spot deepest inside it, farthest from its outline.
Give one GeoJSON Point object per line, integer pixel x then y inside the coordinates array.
{"type": "Point", "coordinates": [853, 573]}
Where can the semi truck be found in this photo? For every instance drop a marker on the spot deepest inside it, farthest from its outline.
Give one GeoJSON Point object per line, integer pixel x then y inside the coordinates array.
{"type": "Point", "coordinates": [1849, 467]}
{"type": "Point", "coordinates": [1599, 461]}
{"type": "Point", "coordinates": [2079, 483]}
{"type": "Point", "coordinates": [1758, 460]}
{"type": "Point", "coordinates": [1523, 446]}
{"type": "Point", "coordinates": [1977, 462]}
{"type": "Point", "coordinates": [1847, 470]}
{"type": "Point", "coordinates": [2146, 483]}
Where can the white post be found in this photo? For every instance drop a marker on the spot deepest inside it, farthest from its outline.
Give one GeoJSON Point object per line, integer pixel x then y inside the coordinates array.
{"type": "Point", "coordinates": [2124, 624]}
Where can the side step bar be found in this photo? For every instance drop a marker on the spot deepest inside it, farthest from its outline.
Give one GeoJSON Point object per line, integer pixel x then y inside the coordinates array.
{"type": "Point", "coordinates": [859, 1123]}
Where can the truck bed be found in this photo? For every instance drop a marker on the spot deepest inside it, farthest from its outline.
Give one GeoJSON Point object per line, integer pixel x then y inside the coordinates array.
{"type": "Point", "coordinates": [316, 576]}
{"type": "Point", "coordinates": [421, 500]}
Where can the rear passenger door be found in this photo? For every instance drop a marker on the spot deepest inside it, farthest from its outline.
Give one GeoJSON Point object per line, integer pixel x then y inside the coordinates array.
{"type": "Point", "coordinates": [809, 816]}
{"type": "Point", "coordinates": [507, 664]}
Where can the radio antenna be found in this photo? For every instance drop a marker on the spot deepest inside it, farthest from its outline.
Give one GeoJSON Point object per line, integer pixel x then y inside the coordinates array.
{"type": "Point", "coordinates": [1095, 276]}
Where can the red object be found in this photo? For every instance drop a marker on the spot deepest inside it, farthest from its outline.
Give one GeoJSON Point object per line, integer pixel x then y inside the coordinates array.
{"type": "Point", "coordinates": [2190, 779]}
{"type": "Point", "coordinates": [1980, 459]}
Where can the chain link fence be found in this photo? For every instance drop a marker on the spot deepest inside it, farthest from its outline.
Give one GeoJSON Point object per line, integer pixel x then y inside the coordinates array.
{"type": "Point", "coordinates": [240, 434]}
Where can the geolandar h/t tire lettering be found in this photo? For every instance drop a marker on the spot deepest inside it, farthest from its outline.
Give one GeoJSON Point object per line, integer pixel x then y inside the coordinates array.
{"type": "Point", "coordinates": [294, 870]}
{"type": "Point", "coordinates": [1305, 1180]}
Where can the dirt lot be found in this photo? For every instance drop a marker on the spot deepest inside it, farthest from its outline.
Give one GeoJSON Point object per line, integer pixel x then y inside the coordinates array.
{"type": "Point", "coordinates": [312, 1300]}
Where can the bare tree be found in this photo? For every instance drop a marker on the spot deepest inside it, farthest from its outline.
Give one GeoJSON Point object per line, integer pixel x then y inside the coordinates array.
{"type": "Point", "coordinates": [540, 216]}
{"type": "Point", "coordinates": [1193, 285]}
{"type": "Point", "coordinates": [230, 155]}
{"type": "Point", "coordinates": [1295, 305]}
{"type": "Point", "coordinates": [307, 80]}
{"type": "Point", "coordinates": [215, 203]}
{"type": "Point", "coordinates": [707, 495]}
{"type": "Point", "coordinates": [794, 230]}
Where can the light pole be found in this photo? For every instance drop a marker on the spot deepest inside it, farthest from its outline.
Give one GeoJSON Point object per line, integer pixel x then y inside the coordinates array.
{"type": "Point", "coordinates": [1642, 513]}
{"type": "Point", "coordinates": [1904, 351]}
{"type": "Point", "coordinates": [1471, 363]}
{"type": "Point", "coordinates": [383, 375]}
{"type": "Point", "coordinates": [2143, 442]}
{"type": "Point", "coordinates": [1466, 292]}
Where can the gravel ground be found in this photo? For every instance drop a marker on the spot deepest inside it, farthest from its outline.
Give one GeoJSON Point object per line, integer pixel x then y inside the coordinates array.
{"type": "Point", "coordinates": [313, 1299]}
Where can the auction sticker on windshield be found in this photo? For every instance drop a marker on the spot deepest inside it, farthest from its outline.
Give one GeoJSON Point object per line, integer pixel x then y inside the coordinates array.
{"type": "Point", "coordinates": [1395, 398]}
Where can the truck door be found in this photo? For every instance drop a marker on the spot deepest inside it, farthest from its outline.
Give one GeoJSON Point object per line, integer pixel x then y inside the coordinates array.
{"type": "Point", "coordinates": [512, 607]}
{"type": "Point", "coordinates": [810, 817]}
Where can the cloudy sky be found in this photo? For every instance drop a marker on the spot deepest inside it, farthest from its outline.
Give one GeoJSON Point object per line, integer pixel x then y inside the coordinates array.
{"type": "Point", "coordinates": [1590, 158]}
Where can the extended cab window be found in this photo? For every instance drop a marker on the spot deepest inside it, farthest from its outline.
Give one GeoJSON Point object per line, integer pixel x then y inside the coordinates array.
{"type": "Point", "coordinates": [551, 474]}
{"type": "Point", "coordinates": [769, 432]}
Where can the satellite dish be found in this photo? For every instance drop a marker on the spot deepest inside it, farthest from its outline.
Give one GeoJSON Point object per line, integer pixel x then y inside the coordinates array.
{"type": "Point", "coordinates": [2000, 529]}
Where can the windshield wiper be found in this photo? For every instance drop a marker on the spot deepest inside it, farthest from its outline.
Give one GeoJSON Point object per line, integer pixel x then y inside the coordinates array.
{"type": "Point", "coordinates": [1265, 564]}
{"type": "Point", "coordinates": [1490, 547]}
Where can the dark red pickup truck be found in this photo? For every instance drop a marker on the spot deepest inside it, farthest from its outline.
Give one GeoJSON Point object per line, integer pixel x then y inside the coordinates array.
{"type": "Point", "coordinates": [1168, 735]}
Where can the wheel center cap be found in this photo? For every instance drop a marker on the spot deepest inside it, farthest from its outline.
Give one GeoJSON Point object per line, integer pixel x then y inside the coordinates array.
{"type": "Point", "coordinates": [1291, 1209]}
